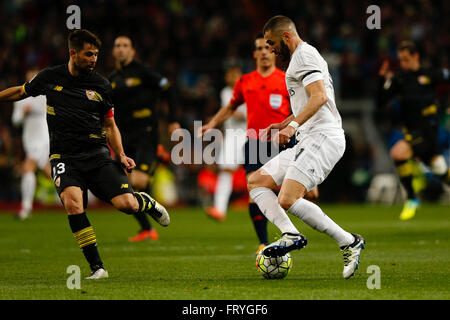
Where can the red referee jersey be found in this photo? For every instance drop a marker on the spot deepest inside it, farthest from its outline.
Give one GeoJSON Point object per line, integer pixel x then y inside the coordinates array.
{"type": "Point", "coordinates": [267, 99]}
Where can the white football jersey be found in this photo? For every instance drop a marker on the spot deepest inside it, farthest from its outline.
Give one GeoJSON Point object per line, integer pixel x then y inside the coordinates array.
{"type": "Point", "coordinates": [307, 66]}
{"type": "Point", "coordinates": [35, 122]}
{"type": "Point", "coordinates": [232, 123]}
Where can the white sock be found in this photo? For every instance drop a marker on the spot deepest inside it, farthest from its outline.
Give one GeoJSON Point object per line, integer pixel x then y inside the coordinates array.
{"type": "Point", "coordinates": [223, 191]}
{"type": "Point", "coordinates": [27, 187]}
{"type": "Point", "coordinates": [313, 216]}
{"type": "Point", "coordinates": [267, 202]}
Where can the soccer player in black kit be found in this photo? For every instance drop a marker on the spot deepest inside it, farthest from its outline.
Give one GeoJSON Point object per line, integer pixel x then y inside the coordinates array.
{"type": "Point", "coordinates": [136, 89]}
{"type": "Point", "coordinates": [415, 87]}
{"type": "Point", "coordinates": [80, 121]}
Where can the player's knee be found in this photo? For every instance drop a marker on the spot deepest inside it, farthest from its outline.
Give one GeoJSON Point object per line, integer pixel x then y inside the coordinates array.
{"type": "Point", "coordinates": [126, 203]}
{"type": "Point", "coordinates": [73, 206]}
{"type": "Point", "coordinates": [286, 201]}
{"type": "Point", "coordinates": [253, 181]}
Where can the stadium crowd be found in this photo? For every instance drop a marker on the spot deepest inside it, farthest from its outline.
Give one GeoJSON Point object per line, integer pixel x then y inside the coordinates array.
{"type": "Point", "coordinates": [192, 41]}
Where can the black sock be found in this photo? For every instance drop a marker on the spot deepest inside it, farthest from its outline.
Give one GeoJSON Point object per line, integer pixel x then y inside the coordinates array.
{"type": "Point", "coordinates": [85, 236]}
{"type": "Point", "coordinates": [143, 221]}
{"type": "Point", "coordinates": [405, 172]}
{"type": "Point", "coordinates": [259, 222]}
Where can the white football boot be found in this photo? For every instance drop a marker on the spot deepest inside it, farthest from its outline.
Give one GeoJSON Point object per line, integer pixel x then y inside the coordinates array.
{"type": "Point", "coordinates": [156, 211]}
{"type": "Point", "coordinates": [288, 242]}
{"type": "Point", "coordinates": [351, 255]}
{"type": "Point", "coordinates": [98, 274]}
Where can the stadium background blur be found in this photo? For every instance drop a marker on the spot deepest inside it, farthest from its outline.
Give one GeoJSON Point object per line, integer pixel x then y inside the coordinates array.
{"type": "Point", "coordinates": [193, 41]}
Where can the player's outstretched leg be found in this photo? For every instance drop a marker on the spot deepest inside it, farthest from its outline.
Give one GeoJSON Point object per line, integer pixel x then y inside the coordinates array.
{"type": "Point", "coordinates": [155, 210]}
{"type": "Point", "coordinates": [351, 255]}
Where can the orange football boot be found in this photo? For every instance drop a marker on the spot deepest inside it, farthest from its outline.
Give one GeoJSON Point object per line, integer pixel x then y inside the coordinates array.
{"type": "Point", "coordinates": [215, 214]}
{"type": "Point", "coordinates": [145, 234]}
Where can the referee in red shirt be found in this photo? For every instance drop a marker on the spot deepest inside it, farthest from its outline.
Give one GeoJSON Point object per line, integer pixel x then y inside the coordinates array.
{"type": "Point", "coordinates": [265, 93]}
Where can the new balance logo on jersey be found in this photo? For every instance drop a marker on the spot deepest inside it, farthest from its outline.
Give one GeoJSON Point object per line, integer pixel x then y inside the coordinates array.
{"type": "Point", "coordinates": [291, 92]}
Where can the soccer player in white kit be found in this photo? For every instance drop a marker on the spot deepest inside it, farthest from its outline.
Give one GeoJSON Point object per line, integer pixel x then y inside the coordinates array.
{"type": "Point", "coordinates": [321, 143]}
{"type": "Point", "coordinates": [31, 114]}
{"type": "Point", "coordinates": [231, 153]}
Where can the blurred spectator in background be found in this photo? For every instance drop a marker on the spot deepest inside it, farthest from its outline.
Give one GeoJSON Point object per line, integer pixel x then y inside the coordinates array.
{"type": "Point", "coordinates": [31, 114]}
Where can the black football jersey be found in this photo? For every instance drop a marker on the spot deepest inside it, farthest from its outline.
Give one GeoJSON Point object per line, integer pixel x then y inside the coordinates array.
{"type": "Point", "coordinates": [76, 109]}
{"type": "Point", "coordinates": [416, 93]}
{"type": "Point", "coordinates": [136, 89]}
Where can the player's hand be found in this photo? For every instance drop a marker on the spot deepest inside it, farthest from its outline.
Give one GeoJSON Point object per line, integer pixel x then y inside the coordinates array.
{"type": "Point", "coordinates": [385, 71]}
{"type": "Point", "coordinates": [266, 134]}
{"type": "Point", "coordinates": [282, 137]}
{"type": "Point", "coordinates": [128, 163]}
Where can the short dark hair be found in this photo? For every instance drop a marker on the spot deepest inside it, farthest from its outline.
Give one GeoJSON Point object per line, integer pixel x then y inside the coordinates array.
{"type": "Point", "coordinates": [77, 39]}
{"type": "Point", "coordinates": [408, 45]}
{"type": "Point", "coordinates": [276, 22]}
{"type": "Point", "coordinates": [258, 36]}
{"type": "Point", "coordinates": [126, 36]}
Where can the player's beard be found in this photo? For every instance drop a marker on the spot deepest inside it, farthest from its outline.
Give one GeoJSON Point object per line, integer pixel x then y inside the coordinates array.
{"type": "Point", "coordinates": [83, 70]}
{"type": "Point", "coordinates": [285, 53]}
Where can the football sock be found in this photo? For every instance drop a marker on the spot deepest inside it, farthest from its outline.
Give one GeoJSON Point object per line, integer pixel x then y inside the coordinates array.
{"type": "Point", "coordinates": [143, 221]}
{"type": "Point", "coordinates": [405, 173]}
{"type": "Point", "coordinates": [312, 215]}
{"type": "Point", "coordinates": [143, 202]}
{"type": "Point", "coordinates": [223, 191]}
{"type": "Point", "coordinates": [86, 239]}
{"type": "Point", "coordinates": [27, 187]}
{"type": "Point", "coordinates": [259, 222]}
{"type": "Point", "coordinates": [267, 202]}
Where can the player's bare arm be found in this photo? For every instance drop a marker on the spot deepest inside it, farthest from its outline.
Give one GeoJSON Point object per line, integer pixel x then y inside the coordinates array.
{"type": "Point", "coordinates": [13, 94]}
{"type": "Point", "coordinates": [115, 141]}
{"type": "Point", "coordinates": [222, 115]}
{"type": "Point", "coordinates": [317, 98]}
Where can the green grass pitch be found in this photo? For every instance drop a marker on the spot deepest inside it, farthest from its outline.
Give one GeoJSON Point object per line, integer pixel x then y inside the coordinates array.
{"type": "Point", "coordinates": [198, 258]}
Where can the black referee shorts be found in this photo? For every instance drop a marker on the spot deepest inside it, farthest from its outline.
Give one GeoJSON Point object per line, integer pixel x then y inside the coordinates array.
{"type": "Point", "coordinates": [104, 177]}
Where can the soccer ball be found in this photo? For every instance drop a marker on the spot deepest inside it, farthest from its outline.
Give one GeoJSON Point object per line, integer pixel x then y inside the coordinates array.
{"type": "Point", "coordinates": [274, 268]}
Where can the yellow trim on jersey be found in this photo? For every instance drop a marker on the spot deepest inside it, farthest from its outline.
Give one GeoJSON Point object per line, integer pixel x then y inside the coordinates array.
{"type": "Point", "coordinates": [142, 113]}
{"type": "Point", "coordinates": [23, 87]}
{"type": "Point", "coordinates": [97, 136]}
{"type": "Point", "coordinates": [429, 110]}
{"type": "Point", "coordinates": [55, 156]}
{"type": "Point", "coordinates": [50, 110]}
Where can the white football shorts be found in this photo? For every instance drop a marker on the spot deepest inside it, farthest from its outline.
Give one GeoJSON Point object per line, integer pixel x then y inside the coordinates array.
{"type": "Point", "coordinates": [37, 150]}
{"type": "Point", "coordinates": [310, 161]}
